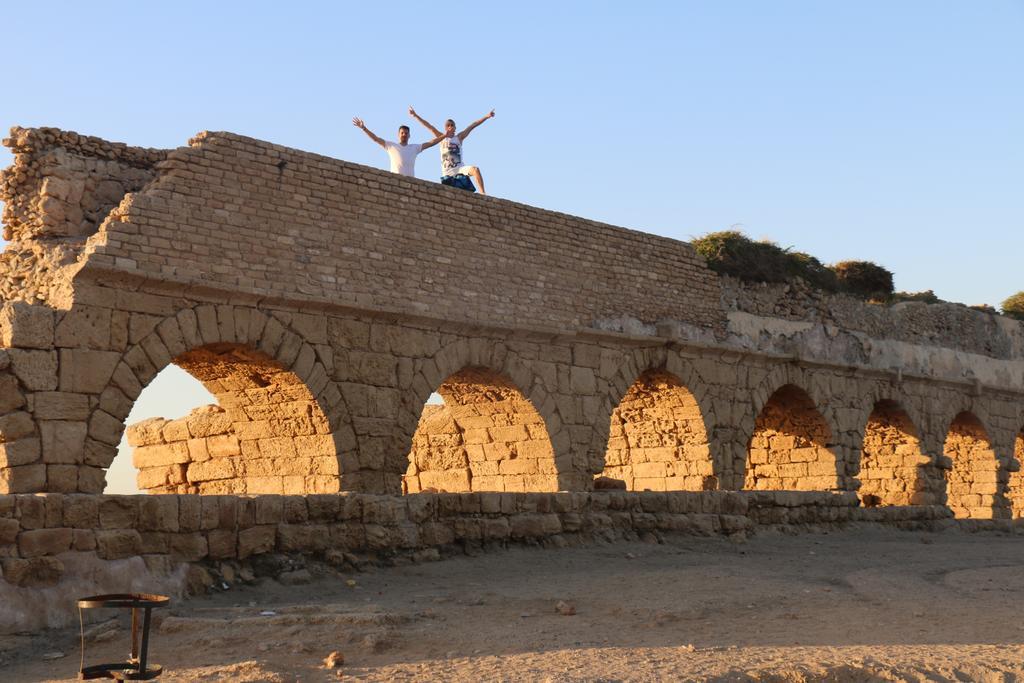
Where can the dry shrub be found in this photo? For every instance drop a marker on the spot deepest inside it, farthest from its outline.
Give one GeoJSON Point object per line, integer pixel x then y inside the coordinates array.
{"type": "Point", "coordinates": [864, 279]}
{"type": "Point", "coordinates": [1014, 306]}
{"type": "Point", "coordinates": [927, 296]}
{"type": "Point", "coordinates": [732, 253]}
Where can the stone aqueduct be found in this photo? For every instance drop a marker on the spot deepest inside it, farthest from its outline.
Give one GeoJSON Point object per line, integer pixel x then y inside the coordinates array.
{"type": "Point", "coordinates": [323, 302]}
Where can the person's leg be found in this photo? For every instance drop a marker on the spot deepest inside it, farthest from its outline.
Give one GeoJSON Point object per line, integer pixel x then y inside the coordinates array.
{"type": "Point", "coordinates": [478, 177]}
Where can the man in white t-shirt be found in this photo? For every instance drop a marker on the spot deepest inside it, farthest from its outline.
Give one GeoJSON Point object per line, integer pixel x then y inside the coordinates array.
{"type": "Point", "coordinates": [401, 153]}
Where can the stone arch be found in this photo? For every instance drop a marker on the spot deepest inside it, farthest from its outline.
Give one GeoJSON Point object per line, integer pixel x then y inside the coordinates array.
{"type": "Point", "coordinates": [893, 468]}
{"type": "Point", "coordinates": [487, 436]}
{"type": "Point", "coordinates": [280, 420]}
{"type": "Point", "coordinates": [657, 438]}
{"type": "Point", "coordinates": [629, 369]}
{"type": "Point", "coordinates": [814, 385]}
{"type": "Point", "coordinates": [972, 481]}
{"type": "Point", "coordinates": [485, 355]}
{"type": "Point", "coordinates": [790, 445]}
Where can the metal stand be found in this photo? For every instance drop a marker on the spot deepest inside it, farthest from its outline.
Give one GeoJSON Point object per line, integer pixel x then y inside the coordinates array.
{"type": "Point", "coordinates": [136, 668]}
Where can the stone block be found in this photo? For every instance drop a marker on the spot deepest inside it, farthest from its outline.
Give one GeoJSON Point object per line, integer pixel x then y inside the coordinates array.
{"type": "Point", "coordinates": [159, 479]}
{"type": "Point", "coordinates": [223, 446]}
{"type": "Point", "coordinates": [158, 513]}
{"type": "Point", "coordinates": [172, 337]}
{"type": "Point", "coordinates": [36, 572]}
{"type": "Point", "coordinates": [84, 327]}
{"type": "Point", "coordinates": [148, 432]}
{"type": "Point", "coordinates": [115, 544]}
{"type": "Point", "coordinates": [161, 455]}
{"type": "Point", "coordinates": [20, 452]}
{"type": "Point", "coordinates": [44, 542]}
{"type": "Point", "coordinates": [86, 371]}
{"type": "Point", "coordinates": [197, 450]}
{"type": "Point", "coordinates": [23, 478]}
{"type": "Point", "coordinates": [256, 540]}
{"type": "Point", "coordinates": [315, 445]}
{"type": "Point", "coordinates": [62, 442]}
{"type": "Point", "coordinates": [83, 540]}
{"type": "Point", "coordinates": [60, 405]}
{"type": "Point", "coordinates": [118, 512]}
{"type": "Point", "coordinates": [175, 430]}
{"type": "Point", "coordinates": [81, 512]}
{"type": "Point", "coordinates": [11, 397]}
{"type": "Point", "coordinates": [189, 547]}
{"type": "Point", "coordinates": [295, 510]}
{"type": "Point", "coordinates": [26, 326]}
{"type": "Point", "coordinates": [9, 529]}
{"type": "Point", "coordinates": [36, 370]}
{"type": "Point", "coordinates": [125, 379]}
{"type": "Point", "coordinates": [302, 538]}
{"type": "Point", "coordinates": [211, 470]}
{"type": "Point", "coordinates": [269, 509]}
{"type": "Point", "coordinates": [189, 513]}
{"type": "Point", "coordinates": [62, 478]}
{"type": "Point", "coordinates": [113, 401]}
{"type": "Point", "coordinates": [17, 425]}
{"type": "Point", "coordinates": [222, 544]}
{"type": "Point", "coordinates": [376, 369]}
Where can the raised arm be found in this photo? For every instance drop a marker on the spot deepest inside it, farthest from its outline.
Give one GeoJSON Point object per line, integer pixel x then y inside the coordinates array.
{"type": "Point", "coordinates": [428, 145]}
{"type": "Point", "coordinates": [358, 123]}
{"type": "Point", "coordinates": [469, 129]}
{"type": "Point", "coordinates": [426, 124]}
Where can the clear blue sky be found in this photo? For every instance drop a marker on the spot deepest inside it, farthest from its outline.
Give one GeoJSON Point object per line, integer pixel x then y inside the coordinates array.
{"type": "Point", "coordinates": [867, 129]}
{"type": "Point", "coordinates": [879, 130]}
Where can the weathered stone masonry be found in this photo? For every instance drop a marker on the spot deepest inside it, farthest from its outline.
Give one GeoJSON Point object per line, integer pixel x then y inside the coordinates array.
{"type": "Point", "coordinates": [323, 302]}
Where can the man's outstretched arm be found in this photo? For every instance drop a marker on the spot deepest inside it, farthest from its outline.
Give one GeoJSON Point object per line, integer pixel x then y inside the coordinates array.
{"type": "Point", "coordinates": [469, 129]}
{"type": "Point", "coordinates": [358, 123]}
{"type": "Point", "coordinates": [428, 145]}
{"type": "Point", "coordinates": [426, 124]}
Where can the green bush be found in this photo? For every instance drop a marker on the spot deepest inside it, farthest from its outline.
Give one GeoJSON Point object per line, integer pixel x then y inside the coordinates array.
{"type": "Point", "coordinates": [864, 279]}
{"type": "Point", "coordinates": [813, 271]}
{"type": "Point", "coordinates": [732, 253]}
{"type": "Point", "coordinates": [1014, 306]}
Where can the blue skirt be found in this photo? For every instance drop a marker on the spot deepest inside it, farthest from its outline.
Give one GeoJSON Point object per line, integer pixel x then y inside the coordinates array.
{"type": "Point", "coordinates": [460, 181]}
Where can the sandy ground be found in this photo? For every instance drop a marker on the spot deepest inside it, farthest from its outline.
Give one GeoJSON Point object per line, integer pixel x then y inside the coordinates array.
{"type": "Point", "coordinates": [861, 605]}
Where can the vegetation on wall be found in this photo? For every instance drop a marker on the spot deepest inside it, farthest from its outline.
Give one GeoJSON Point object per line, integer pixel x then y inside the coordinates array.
{"type": "Point", "coordinates": [732, 253]}
{"type": "Point", "coordinates": [1013, 306]}
{"type": "Point", "coordinates": [729, 252]}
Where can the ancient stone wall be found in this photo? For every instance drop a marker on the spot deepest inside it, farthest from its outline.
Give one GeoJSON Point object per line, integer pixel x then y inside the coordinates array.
{"type": "Point", "coordinates": [59, 190]}
{"type": "Point", "coordinates": [51, 541]}
{"type": "Point", "coordinates": [228, 200]}
{"type": "Point", "coordinates": [949, 325]}
{"type": "Point", "coordinates": [322, 303]}
{"type": "Point", "coordinates": [207, 453]}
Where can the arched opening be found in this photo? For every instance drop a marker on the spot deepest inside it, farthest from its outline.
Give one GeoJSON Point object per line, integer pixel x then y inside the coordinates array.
{"type": "Point", "coordinates": [893, 470]}
{"type": "Point", "coordinates": [485, 436]}
{"type": "Point", "coordinates": [266, 434]}
{"type": "Point", "coordinates": [172, 394]}
{"type": "Point", "coordinates": [972, 484]}
{"type": "Point", "coordinates": [657, 440]}
{"type": "Point", "coordinates": [1016, 486]}
{"type": "Point", "coordinates": [789, 449]}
